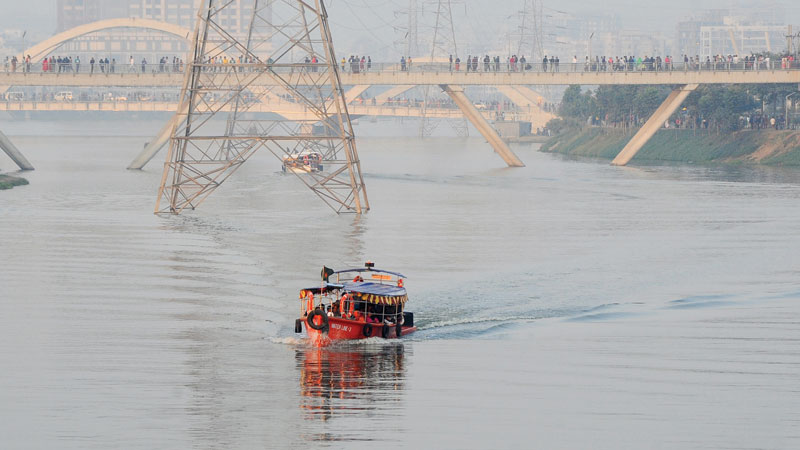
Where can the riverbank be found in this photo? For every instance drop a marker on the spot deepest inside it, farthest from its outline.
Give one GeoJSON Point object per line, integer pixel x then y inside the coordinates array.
{"type": "Point", "coordinates": [8, 182]}
{"type": "Point", "coordinates": [772, 147]}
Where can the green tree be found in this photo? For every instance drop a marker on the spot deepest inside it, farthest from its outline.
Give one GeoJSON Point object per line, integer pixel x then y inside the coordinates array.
{"type": "Point", "coordinates": [576, 104]}
{"type": "Point", "coordinates": [647, 100]}
{"type": "Point", "coordinates": [724, 105]}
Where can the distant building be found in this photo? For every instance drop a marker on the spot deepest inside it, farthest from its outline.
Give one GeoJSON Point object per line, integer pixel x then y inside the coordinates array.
{"type": "Point", "coordinates": [121, 44]}
{"type": "Point", "coordinates": [725, 32]}
{"type": "Point", "coordinates": [71, 13]}
{"type": "Point", "coordinates": [598, 34]}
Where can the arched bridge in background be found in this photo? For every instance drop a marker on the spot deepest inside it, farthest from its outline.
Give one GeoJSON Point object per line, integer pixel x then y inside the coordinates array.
{"type": "Point", "coordinates": [43, 49]}
{"type": "Point", "coordinates": [39, 51]}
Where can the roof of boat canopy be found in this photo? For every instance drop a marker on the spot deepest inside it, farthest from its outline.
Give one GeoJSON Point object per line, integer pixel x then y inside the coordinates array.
{"type": "Point", "coordinates": [387, 294]}
{"type": "Point", "coordinates": [361, 287]}
{"type": "Point", "coordinates": [368, 287]}
{"type": "Point", "coordinates": [361, 269]}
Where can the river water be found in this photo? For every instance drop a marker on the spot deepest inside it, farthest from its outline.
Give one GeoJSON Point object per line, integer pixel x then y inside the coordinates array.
{"type": "Point", "coordinates": [567, 304]}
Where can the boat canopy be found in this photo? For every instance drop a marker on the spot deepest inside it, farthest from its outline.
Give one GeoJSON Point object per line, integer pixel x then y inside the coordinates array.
{"type": "Point", "coordinates": [385, 294]}
{"type": "Point", "coordinates": [360, 270]}
{"type": "Point", "coordinates": [377, 293]}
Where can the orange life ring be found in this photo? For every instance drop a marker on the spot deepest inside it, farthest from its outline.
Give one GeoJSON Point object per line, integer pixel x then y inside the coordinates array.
{"type": "Point", "coordinates": [399, 282]}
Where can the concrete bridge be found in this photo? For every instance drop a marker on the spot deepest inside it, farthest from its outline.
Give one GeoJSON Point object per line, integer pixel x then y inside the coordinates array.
{"type": "Point", "coordinates": [510, 79]}
{"type": "Point", "coordinates": [287, 110]}
{"type": "Point", "coordinates": [512, 83]}
{"type": "Point", "coordinates": [390, 75]}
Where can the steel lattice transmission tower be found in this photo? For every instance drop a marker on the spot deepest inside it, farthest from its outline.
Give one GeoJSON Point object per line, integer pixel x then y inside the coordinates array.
{"type": "Point", "coordinates": [443, 45]}
{"type": "Point", "coordinates": [408, 45]}
{"type": "Point", "coordinates": [287, 46]}
{"type": "Point", "coordinates": [412, 46]}
{"type": "Point", "coordinates": [530, 31]}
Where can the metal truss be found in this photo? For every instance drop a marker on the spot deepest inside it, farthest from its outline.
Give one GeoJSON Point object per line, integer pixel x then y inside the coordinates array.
{"type": "Point", "coordinates": [288, 43]}
{"type": "Point", "coordinates": [443, 45]}
{"type": "Point", "coordinates": [530, 31]}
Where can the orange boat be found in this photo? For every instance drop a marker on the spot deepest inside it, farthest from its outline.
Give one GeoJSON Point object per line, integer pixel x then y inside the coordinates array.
{"type": "Point", "coordinates": [361, 303]}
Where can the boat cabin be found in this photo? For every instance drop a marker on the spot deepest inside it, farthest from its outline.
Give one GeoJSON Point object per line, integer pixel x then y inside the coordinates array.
{"type": "Point", "coordinates": [303, 162]}
{"type": "Point", "coordinates": [365, 295]}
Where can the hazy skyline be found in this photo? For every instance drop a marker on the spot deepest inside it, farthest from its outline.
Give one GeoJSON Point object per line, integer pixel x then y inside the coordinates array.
{"type": "Point", "coordinates": [361, 27]}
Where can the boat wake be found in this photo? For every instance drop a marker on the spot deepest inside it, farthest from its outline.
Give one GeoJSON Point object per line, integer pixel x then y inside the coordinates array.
{"type": "Point", "coordinates": [289, 340]}
{"type": "Point", "coordinates": [477, 320]}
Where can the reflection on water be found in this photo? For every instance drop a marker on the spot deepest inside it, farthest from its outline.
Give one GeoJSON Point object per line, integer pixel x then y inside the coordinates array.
{"type": "Point", "coordinates": [355, 379]}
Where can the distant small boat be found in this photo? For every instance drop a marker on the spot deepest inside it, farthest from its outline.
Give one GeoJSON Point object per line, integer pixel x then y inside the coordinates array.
{"type": "Point", "coordinates": [371, 303]}
{"type": "Point", "coordinates": [305, 162]}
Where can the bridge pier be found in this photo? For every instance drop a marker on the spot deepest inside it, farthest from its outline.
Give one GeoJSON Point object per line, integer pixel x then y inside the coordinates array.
{"type": "Point", "coordinates": [154, 146]}
{"type": "Point", "coordinates": [525, 97]}
{"type": "Point", "coordinates": [474, 116]}
{"type": "Point", "coordinates": [383, 97]}
{"type": "Point", "coordinates": [662, 114]}
{"type": "Point", "coordinates": [355, 91]}
{"type": "Point", "coordinates": [11, 150]}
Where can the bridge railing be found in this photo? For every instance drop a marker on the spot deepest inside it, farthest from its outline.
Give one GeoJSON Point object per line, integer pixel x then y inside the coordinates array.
{"type": "Point", "coordinates": [119, 69]}
{"type": "Point", "coordinates": [60, 99]}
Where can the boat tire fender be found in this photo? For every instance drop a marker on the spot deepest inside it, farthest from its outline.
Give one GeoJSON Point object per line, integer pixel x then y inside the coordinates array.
{"type": "Point", "coordinates": [310, 320]}
{"type": "Point", "coordinates": [398, 329]}
{"type": "Point", "coordinates": [385, 331]}
{"type": "Point", "coordinates": [298, 326]}
{"type": "Point", "coordinates": [367, 330]}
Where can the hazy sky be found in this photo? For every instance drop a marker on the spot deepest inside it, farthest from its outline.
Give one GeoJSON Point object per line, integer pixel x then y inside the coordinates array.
{"type": "Point", "coordinates": [365, 25]}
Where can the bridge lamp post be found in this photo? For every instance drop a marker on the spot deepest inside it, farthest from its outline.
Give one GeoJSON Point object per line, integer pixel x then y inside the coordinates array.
{"type": "Point", "coordinates": [23, 50]}
{"type": "Point", "coordinates": [590, 48]}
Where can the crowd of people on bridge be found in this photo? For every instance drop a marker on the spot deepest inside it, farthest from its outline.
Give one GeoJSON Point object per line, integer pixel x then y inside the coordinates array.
{"type": "Point", "coordinates": [356, 64]}
{"type": "Point", "coordinates": [104, 65]}
{"type": "Point", "coordinates": [12, 64]}
{"type": "Point", "coordinates": [484, 63]}
{"type": "Point", "coordinates": [224, 63]}
{"type": "Point", "coordinates": [627, 63]}
{"type": "Point", "coordinates": [685, 63]}
{"type": "Point", "coordinates": [472, 63]}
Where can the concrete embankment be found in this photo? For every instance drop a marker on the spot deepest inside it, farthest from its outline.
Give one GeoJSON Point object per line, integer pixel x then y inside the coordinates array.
{"type": "Point", "coordinates": [8, 182]}
{"type": "Point", "coordinates": [688, 146]}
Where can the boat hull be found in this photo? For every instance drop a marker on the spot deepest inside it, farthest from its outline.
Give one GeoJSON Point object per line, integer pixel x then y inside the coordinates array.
{"type": "Point", "coordinates": [302, 169]}
{"type": "Point", "coordinates": [349, 330]}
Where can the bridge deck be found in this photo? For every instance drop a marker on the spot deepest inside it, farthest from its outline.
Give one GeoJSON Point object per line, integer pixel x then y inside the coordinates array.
{"type": "Point", "coordinates": [289, 111]}
{"type": "Point", "coordinates": [422, 77]}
